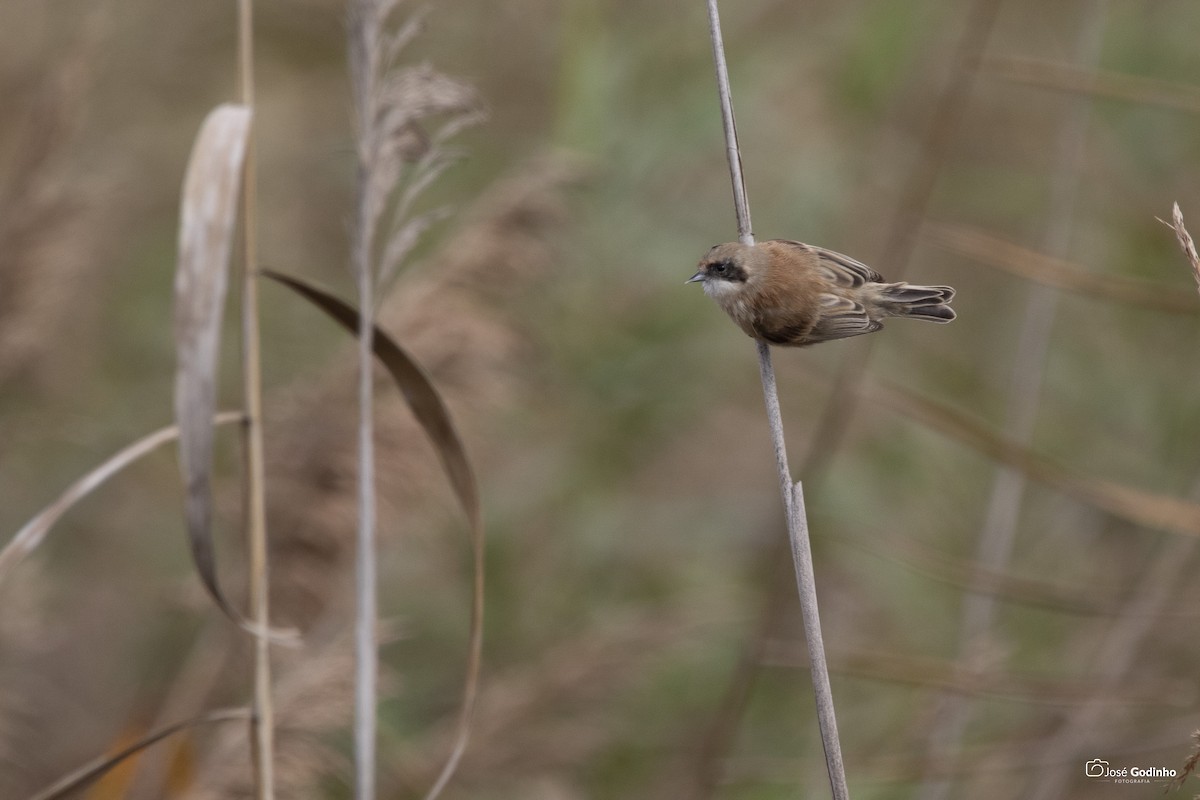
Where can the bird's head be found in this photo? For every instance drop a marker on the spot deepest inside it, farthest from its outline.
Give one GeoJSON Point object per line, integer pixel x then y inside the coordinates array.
{"type": "Point", "coordinates": [728, 269]}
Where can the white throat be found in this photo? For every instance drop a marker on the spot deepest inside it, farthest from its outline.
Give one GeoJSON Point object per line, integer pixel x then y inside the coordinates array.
{"type": "Point", "coordinates": [722, 290]}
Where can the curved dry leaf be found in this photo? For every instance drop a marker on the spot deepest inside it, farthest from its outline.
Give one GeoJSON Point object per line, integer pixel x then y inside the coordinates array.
{"type": "Point", "coordinates": [34, 531]}
{"type": "Point", "coordinates": [433, 415]}
{"type": "Point", "coordinates": [418, 390]}
{"type": "Point", "coordinates": [1148, 509]}
{"type": "Point", "coordinates": [1048, 271]}
{"type": "Point", "coordinates": [96, 768]}
{"type": "Point", "coordinates": [208, 218]}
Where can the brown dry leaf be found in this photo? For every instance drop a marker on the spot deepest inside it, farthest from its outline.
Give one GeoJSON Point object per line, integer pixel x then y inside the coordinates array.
{"type": "Point", "coordinates": [431, 411]}
{"type": "Point", "coordinates": [418, 390]}
{"type": "Point", "coordinates": [1049, 271]}
{"type": "Point", "coordinates": [34, 531]}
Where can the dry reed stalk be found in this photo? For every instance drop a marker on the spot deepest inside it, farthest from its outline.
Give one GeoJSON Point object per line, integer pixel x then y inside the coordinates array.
{"type": "Point", "coordinates": [367, 20]}
{"type": "Point", "coordinates": [911, 207]}
{"type": "Point", "coordinates": [262, 722]}
{"type": "Point", "coordinates": [792, 494]}
{"type": "Point", "coordinates": [397, 159]}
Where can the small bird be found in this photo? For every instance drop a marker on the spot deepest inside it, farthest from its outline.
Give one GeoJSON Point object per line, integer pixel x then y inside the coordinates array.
{"type": "Point", "coordinates": [793, 294]}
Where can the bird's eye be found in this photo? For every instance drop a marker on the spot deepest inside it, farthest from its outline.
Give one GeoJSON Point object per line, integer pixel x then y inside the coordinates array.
{"type": "Point", "coordinates": [721, 268]}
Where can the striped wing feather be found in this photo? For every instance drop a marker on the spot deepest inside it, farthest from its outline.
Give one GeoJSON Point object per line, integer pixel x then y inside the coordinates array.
{"type": "Point", "coordinates": [840, 269]}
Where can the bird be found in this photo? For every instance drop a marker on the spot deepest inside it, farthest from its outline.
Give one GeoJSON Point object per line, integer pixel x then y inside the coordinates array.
{"type": "Point", "coordinates": [792, 294]}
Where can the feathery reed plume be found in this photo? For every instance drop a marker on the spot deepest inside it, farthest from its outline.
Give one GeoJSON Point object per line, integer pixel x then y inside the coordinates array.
{"type": "Point", "coordinates": [310, 697]}
{"type": "Point", "coordinates": [1185, 242]}
{"type": "Point", "coordinates": [50, 228]}
{"type": "Point", "coordinates": [398, 157]}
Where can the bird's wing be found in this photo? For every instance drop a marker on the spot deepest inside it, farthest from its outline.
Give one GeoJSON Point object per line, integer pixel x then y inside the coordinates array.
{"type": "Point", "coordinates": [841, 318]}
{"type": "Point", "coordinates": [839, 269]}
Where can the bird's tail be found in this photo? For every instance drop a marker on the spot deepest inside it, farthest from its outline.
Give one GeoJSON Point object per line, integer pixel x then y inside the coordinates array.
{"type": "Point", "coordinates": [922, 302]}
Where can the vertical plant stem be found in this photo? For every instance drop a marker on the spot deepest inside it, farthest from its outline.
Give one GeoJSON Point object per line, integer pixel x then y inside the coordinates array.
{"type": "Point", "coordinates": [793, 499]}
{"type": "Point", "coordinates": [366, 602]}
{"type": "Point", "coordinates": [741, 206]}
{"type": "Point", "coordinates": [262, 720]}
{"type": "Point", "coordinates": [914, 196]}
{"type": "Point", "coordinates": [365, 54]}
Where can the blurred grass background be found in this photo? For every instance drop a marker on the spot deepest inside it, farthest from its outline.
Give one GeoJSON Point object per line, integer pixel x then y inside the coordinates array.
{"type": "Point", "coordinates": [615, 415]}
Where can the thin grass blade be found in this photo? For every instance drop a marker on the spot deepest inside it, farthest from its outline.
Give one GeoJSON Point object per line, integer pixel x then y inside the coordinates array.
{"type": "Point", "coordinates": [34, 531]}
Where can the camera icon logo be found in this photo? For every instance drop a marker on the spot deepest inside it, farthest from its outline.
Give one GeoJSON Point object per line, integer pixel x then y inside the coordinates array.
{"type": "Point", "coordinates": [1096, 768]}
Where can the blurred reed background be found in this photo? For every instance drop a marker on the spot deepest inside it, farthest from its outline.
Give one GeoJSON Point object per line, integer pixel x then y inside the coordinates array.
{"type": "Point", "coordinates": [640, 642]}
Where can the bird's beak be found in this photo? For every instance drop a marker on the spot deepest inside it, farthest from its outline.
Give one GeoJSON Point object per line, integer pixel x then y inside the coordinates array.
{"type": "Point", "coordinates": [699, 276]}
